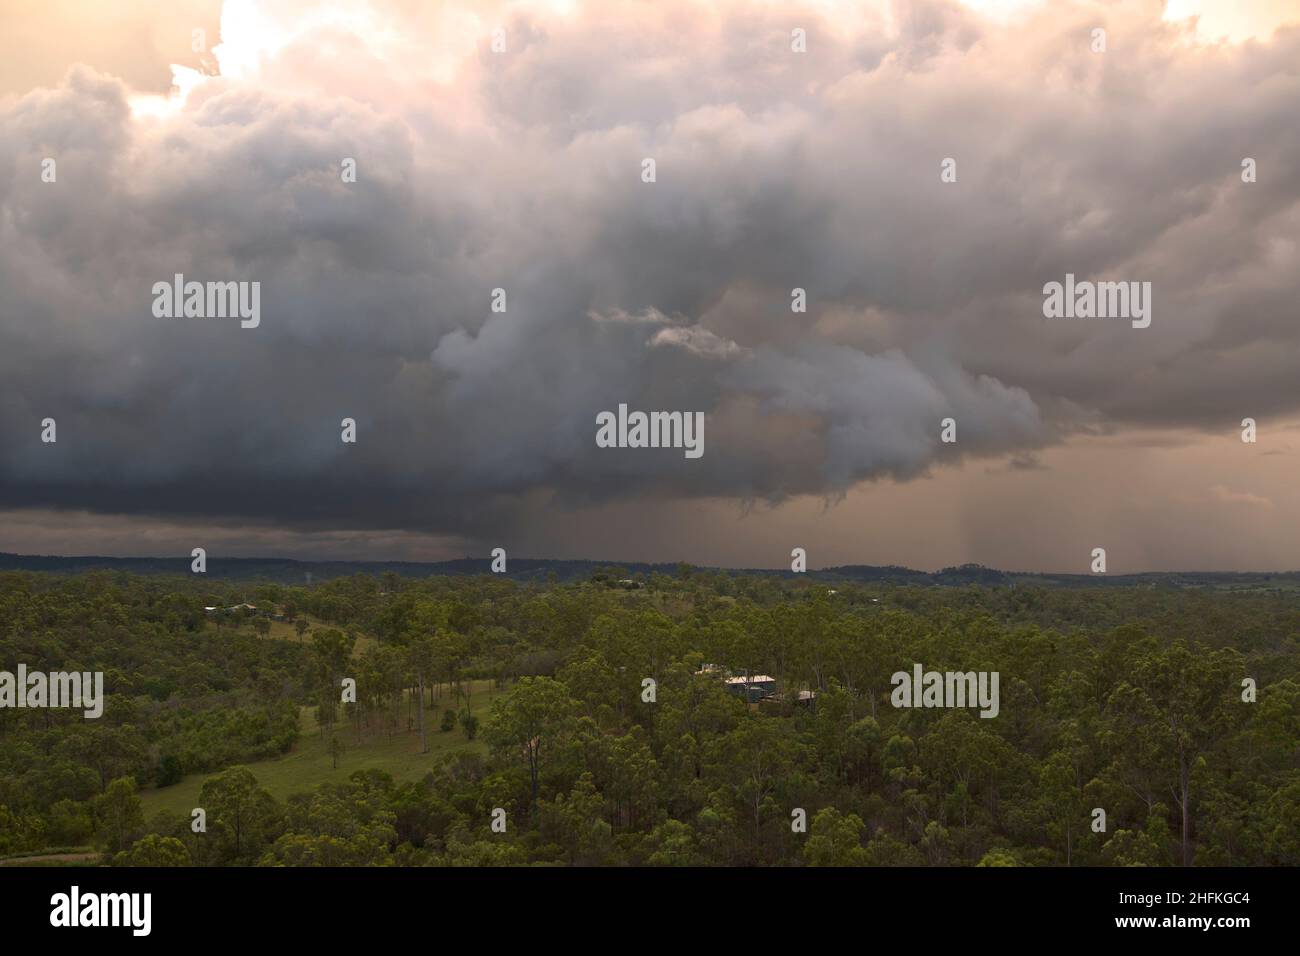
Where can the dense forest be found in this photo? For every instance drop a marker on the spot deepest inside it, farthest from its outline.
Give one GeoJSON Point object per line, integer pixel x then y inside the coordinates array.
{"type": "Point", "coordinates": [611, 736]}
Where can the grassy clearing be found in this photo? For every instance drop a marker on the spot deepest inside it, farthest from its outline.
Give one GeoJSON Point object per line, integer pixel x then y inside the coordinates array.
{"type": "Point", "coordinates": [284, 631]}
{"type": "Point", "coordinates": [309, 764]}
{"type": "Point", "coordinates": [55, 856]}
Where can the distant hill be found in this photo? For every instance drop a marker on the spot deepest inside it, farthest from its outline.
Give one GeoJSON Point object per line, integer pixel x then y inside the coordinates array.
{"type": "Point", "coordinates": [290, 571]}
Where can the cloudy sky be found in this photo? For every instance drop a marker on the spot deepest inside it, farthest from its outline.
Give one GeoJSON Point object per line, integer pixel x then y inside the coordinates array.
{"type": "Point", "coordinates": [521, 169]}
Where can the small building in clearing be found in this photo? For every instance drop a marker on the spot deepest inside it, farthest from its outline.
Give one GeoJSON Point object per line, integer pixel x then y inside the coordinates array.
{"type": "Point", "coordinates": [234, 609]}
{"type": "Point", "coordinates": [752, 688]}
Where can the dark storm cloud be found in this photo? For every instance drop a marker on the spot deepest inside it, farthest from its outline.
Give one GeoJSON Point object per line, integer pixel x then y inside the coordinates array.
{"type": "Point", "coordinates": [775, 171]}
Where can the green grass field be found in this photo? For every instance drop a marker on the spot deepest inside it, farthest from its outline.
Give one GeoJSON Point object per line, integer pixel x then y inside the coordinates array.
{"type": "Point", "coordinates": [284, 631]}
{"type": "Point", "coordinates": [309, 764]}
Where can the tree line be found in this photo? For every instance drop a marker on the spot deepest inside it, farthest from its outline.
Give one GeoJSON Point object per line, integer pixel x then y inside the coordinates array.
{"type": "Point", "coordinates": [1132, 701]}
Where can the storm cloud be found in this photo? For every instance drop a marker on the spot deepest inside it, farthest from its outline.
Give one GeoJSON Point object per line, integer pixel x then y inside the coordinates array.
{"type": "Point", "coordinates": [522, 170]}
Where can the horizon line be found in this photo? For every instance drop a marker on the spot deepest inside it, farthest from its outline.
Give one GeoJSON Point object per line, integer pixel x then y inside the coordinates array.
{"type": "Point", "coordinates": [971, 566]}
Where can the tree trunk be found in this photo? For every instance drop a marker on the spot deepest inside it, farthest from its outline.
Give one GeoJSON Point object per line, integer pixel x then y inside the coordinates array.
{"type": "Point", "coordinates": [424, 741]}
{"type": "Point", "coordinates": [532, 768]}
{"type": "Point", "coordinates": [1186, 787]}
